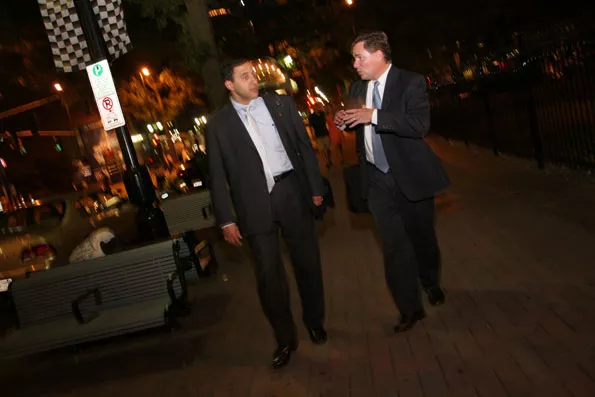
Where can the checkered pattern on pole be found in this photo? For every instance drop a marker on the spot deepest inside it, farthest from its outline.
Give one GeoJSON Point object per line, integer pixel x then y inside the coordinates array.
{"type": "Point", "coordinates": [111, 22]}
{"type": "Point", "coordinates": [66, 36]}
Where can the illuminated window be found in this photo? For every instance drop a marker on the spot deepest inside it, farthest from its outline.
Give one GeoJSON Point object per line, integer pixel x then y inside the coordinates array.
{"type": "Point", "coordinates": [219, 12]}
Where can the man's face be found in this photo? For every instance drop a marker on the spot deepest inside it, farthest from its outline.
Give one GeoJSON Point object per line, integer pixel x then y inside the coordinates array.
{"type": "Point", "coordinates": [244, 86]}
{"type": "Point", "coordinates": [369, 65]}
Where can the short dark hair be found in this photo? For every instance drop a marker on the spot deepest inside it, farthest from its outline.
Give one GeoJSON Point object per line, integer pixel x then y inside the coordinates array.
{"type": "Point", "coordinates": [373, 42]}
{"type": "Point", "coordinates": [228, 66]}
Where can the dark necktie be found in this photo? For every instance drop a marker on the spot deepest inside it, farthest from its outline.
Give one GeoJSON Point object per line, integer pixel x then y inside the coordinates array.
{"type": "Point", "coordinates": [379, 156]}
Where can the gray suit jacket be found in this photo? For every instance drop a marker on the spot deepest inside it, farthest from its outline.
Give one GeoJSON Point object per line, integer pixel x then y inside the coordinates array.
{"type": "Point", "coordinates": [237, 178]}
{"type": "Point", "coordinates": [403, 122]}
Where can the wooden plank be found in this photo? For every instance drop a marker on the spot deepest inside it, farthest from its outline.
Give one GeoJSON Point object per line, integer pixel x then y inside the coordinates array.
{"type": "Point", "coordinates": [66, 331]}
{"type": "Point", "coordinates": [124, 278]}
{"type": "Point", "coordinates": [189, 212]}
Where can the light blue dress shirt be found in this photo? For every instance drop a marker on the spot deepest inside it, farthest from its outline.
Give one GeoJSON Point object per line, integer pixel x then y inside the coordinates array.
{"type": "Point", "coordinates": [276, 156]}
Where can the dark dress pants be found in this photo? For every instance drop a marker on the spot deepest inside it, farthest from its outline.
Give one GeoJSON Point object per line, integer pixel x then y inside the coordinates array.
{"type": "Point", "coordinates": [410, 247]}
{"type": "Point", "coordinates": [295, 221]}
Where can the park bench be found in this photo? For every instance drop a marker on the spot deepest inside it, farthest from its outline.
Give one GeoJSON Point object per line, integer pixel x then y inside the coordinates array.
{"type": "Point", "coordinates": [185, 215]}
{"type": "Point", "coordinates": [113, 295]}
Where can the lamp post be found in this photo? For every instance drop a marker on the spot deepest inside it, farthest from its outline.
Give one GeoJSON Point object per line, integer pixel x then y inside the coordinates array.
{"type": "Point", "coordinates": [81, 145]}
{"type": "Point", "coordinates": [151, 221]}
{"type": "Point", "coordinates": [350, 4]}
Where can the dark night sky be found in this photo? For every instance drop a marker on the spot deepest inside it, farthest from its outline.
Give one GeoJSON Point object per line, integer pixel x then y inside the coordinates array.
{"type": "Point", "coordinates": [412, 26]}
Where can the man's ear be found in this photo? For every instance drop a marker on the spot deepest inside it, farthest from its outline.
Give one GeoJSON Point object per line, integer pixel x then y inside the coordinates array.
{"type": "Point", "coordinates": [229, 85]}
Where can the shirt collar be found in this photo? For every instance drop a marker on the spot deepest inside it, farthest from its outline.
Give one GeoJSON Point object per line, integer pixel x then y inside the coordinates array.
{"type": "Point", "coordinates": [242, 108]}
{"type": "Point", "coordinates": [384, 76]}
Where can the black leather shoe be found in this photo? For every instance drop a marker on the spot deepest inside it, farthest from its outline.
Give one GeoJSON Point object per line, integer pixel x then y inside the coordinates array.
{"type": "Point", "coordinates": [317, 335]}
{"type": "Point", "coordinates": [408, 321]}
{"type": "Point", "coordinates": [282, 355]}
{"type": "Point", "coordinates": [435, 295]}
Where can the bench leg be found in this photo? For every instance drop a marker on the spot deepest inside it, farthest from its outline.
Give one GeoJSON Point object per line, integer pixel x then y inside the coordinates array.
{"type": "Point", "coordinates": [191, 242]}
{"type": "Point", "coordinates": [211, 268]}
{"type": "Point", "coordinates": [171, 322]}
{"type": "Point", "coordinates": [213, 265]}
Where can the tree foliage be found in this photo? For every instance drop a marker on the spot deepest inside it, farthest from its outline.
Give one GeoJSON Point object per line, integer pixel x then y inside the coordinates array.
{"type": "Point", "coordinates": [195, 38]}
{"type": "Point", "coordinates": [159, 98]}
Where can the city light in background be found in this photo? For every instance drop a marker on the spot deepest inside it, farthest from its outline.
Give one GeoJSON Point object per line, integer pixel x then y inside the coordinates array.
{"type": "Point", "coordinates": [200, 120]}
{"type": "Point", "coordinates": [145, 71]}
{"type": "Point", "coordinates": [319, 92]}
{"type": "Point", "coordinates": [288, 60]}
{"type": "Point", "coordinates": [150, 128]}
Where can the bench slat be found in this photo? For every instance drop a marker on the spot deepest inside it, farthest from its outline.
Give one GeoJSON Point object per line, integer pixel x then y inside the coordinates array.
{"type": "Point", "coordinates": [189, 212]}
{"type": "Point", "coordinates": [66, 331]}
{"type": "Point", "coordinates": [123, 278]}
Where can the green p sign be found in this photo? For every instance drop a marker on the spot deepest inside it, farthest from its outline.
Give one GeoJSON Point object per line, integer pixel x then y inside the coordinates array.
{"type": "Point", "coordinates": [97, 70]}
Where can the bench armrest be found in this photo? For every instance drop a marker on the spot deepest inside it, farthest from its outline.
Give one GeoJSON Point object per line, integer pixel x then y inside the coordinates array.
{"type": "Point", "coordinates": [171, 280]}
{"type": "Point", "coordinates": [76, 309]}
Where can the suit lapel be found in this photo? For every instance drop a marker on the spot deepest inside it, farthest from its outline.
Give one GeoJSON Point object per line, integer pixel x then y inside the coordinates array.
{"type": "Point", "coordinates": [282, 123]}
{"type": "Point", "coordinates": [392, 82]}
{"type": "Point", "coordinates": [237, 126]}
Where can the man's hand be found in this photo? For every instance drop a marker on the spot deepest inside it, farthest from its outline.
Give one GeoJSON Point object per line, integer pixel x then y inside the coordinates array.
{"type": "Point", "coordinates": [317, 200]}
{"type": "Point", "coordinates": [232, 235]}
{"type": "Point", "coordinates": [354, 117]}
{"type": "Point", "coordinates": [340, 118]}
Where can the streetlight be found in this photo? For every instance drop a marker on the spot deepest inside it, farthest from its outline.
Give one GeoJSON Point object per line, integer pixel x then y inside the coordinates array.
{"type": "Point", "coordinates": [82, 149]}
{"type": "Point", "coordinates": [145, 71]}
{"type": "Point", "coordinates": [349, 2]}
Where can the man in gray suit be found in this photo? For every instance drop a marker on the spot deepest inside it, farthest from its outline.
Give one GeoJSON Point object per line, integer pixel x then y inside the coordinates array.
{"type": "Point", "coordinates": [400, 175]}
{"type": "Point", "coordinates": [262, 164]}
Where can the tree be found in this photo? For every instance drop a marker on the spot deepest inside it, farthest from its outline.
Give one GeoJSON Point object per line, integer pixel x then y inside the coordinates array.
{"type": "Point", "coordinates": [196, 39]}
{"type": "Point", "coordinates": [157, 99]}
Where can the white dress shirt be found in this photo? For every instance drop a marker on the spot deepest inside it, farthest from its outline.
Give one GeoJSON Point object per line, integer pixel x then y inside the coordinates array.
{"type": "Point", "coordinates": [265, 135]}
{"type": "Point", "coordinates": [370, 105]}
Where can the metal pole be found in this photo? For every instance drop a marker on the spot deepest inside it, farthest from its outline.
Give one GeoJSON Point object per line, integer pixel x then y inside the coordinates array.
{"type": "Point", "coordinates": [152, 224]}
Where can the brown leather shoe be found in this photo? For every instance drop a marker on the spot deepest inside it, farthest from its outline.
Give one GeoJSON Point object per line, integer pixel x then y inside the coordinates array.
{"type": "Point", "coordinates": [435, 295]}
{"type": "Point", "coordinates": [408, 321]}
{"type": "Point", "coordinates": [282, 354]}
{"type": "Point", "coordinates": [318, 335]}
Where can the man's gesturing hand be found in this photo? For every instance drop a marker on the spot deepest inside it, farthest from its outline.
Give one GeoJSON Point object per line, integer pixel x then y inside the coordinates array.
{"type": "Point", "coordinates": [340, 118]}
{"type": "Point", "coordinates": [354, 117]}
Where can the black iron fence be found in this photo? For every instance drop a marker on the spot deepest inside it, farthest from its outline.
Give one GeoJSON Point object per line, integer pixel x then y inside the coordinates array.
{"type": "Point", "coordinates": [544, 110]}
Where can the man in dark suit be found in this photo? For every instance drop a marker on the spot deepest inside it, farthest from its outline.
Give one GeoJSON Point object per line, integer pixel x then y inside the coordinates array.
{"type": "Point", "coordinates": [262, 164]}
{"type": "Point", "coordinates": [399, 172]}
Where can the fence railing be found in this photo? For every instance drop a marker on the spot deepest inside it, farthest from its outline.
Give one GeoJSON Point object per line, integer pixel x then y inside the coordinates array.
{"type": "Point", "coordinates": [545, 110]}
